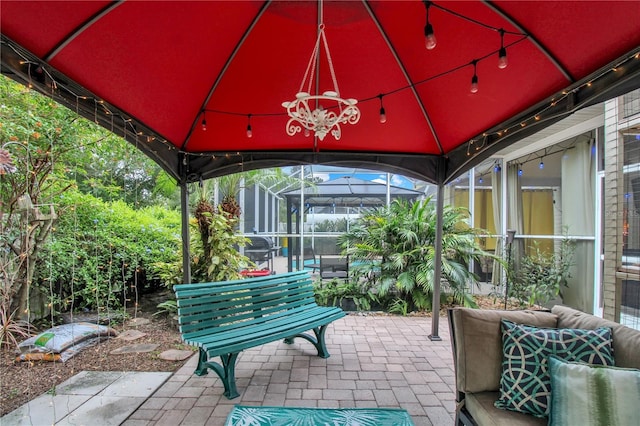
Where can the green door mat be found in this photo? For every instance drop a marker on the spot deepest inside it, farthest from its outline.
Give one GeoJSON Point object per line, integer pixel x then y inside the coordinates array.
{"type": "Point", "coordinates": [295, 416]}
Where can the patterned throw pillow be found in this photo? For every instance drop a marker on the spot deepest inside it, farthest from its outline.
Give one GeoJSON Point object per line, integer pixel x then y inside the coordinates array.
{"type": "Point", "coordinates": [525, 383]}
{"type": "Point", "coordinates": [589, 395]}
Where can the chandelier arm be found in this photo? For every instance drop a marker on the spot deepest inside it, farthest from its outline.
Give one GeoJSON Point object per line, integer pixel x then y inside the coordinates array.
{"type": "Point", "coordinates": [333, 73]}
{"type": "Point", "coordinates": [311, 66]}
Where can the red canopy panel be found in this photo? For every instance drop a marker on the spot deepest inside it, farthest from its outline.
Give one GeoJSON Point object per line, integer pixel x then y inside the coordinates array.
{"type": "Point", "coordinates": [163, 67]}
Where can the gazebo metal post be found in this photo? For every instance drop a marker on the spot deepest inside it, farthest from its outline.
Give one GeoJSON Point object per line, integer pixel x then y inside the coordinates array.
{"type": "Point", "coordinates": [300, 222]}
{"type": "Point", "coordinates": [437, 261]}
{"type": "Point", "coordinates": [289, 239]}
{"type": "Point", "coordinates": [184, 210]}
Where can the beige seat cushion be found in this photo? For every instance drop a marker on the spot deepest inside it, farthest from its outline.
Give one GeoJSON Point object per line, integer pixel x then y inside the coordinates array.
{"type": "Point", "coordinates": [480, 406]}
{"type": "Point", "coordinates": [478, 343]}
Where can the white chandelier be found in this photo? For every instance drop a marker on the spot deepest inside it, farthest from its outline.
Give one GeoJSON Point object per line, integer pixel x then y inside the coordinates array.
{"type": "Point", "coordinates": [321, 114]}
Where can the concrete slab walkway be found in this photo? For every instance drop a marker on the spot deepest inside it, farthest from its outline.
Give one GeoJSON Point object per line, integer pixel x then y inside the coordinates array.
{"type": "Point", "coordinates": [89, 398]}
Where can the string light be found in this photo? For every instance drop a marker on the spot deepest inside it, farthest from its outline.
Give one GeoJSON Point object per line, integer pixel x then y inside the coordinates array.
{"type": "Point", "coordinates": [249, 130]}
{"type": "Point", "coordinates": [520, 172]}
{"type": "Point", "coordinates": [169, 146]}
{"type": "Point", "coordinates": [474, 79]}
{"type": "Point", "coordinates": [383, 114]}
{"type": "Point", "coordinates": [502, 53]}
{"type": "Point", "coordinates": [204, 121]}
{"type": "Point", "coordinates": [429, 37]}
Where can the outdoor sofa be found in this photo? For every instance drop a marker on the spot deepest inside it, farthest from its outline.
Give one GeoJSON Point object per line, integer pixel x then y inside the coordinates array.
{"type": "Point", "coordinates": [480, 362]}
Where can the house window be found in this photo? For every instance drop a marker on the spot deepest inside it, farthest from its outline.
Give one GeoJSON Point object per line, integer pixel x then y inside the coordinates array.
{"type": "Point", "coordinates": [631, 103]}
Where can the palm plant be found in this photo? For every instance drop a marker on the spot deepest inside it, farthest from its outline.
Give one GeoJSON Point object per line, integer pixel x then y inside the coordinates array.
{"type": "Point", "coordinates": [402, 239]}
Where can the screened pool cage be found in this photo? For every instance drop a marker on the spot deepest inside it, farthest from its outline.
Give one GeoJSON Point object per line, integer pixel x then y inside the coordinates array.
{"type": "Point", "coordinates": [307, 215]}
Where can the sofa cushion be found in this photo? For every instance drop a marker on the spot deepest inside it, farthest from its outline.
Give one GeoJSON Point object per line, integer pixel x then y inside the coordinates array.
{"type": "Point", "coordinates": [626, 341]}
{"type": "Point", "coordinates": [525, 383]}
{"type": "Point", "coordinates": [592, 395]}
{"type": "Point", "coordinates": [478, 344]}
{"type": "Point", "coordinates": [480, 406]}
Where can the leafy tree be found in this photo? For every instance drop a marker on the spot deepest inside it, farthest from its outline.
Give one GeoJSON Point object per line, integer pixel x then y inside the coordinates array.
{"type": "Point", "coordinates": [400, 241]}
{"type": "Point", "coordinates": [45, 150]}
{"type": "Point", "coordinates": [36, 139]}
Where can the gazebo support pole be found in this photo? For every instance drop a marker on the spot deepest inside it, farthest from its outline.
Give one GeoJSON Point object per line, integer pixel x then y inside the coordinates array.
{"type": "Point", "coordinates": [186, 254]}
{"type": "Point", "coordinates": [184, 210]}
{"type": "Point", "coordinates": [290, 244]}
{"type": "Point", "coordinates": [437, 261]}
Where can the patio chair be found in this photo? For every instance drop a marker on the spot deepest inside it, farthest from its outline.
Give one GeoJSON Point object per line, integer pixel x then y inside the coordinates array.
{"type": "Point", "coordinates": [309, 254]}
{"type": "Point", "coordinates": [334, 267]}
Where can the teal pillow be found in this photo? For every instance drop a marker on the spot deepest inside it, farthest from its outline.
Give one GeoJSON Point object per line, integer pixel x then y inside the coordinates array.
{"type": "Point", "coordinates": [589, 395]}
{"type": "Point", "coordinates": [525, 383]}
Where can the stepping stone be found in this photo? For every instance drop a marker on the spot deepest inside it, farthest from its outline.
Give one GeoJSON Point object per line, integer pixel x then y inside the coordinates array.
{"type": "Point", "coordinates": [175, 355]}
{"type": "Point", "coordinates": [130, 335]}
{"type": "Point", "coordinates": [134, 349]}
{"type": "Point", "coordinates": [139, 321]}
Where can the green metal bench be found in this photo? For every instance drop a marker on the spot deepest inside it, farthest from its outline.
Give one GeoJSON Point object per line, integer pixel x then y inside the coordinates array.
{"type": "Point", "coordinates": [224, 318]}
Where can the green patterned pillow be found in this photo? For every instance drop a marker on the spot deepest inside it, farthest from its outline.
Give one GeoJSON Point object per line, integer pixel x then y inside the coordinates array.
{"type": "Point", "coordinates": [525, 383]}
{"type": "Point", "coordinates": [589, 395]}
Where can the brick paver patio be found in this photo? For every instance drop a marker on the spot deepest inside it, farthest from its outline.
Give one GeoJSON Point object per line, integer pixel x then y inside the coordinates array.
{"type": "Point", "coordinates": [376, 361]}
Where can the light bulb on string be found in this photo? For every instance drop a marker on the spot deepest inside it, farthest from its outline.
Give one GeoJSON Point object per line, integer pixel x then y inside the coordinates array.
{"type": "Point", "coordinates": [480, 180]}
{"type": "Point", "coordinates": [429, 36]}
{"type": "Point", "coordinates": [502, 53]}
{"type": "Point", "coordinates": [383, 114]}
{"type": "Point", "coordinates": [541, 165]}
{"type": "Point", "coordinates": [204, 122]}
{"type": "Point", "coordinates": [520, 172]}
{"type": "Point", "coordinates": [474, 79]}
{"type": "Point", "coordinates": [249, 130]}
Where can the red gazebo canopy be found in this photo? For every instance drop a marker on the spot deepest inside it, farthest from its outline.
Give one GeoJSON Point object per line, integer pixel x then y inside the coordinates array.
{"type": "Point", "coordinates": [153, 71]}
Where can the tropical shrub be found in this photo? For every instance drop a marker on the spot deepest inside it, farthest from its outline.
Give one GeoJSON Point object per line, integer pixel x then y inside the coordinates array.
{"type": "Point", "coordinates": [401, 239]}
{"type": "Point", "coordinates": [223, 261]}
{"type": "Point", "coordinates": [541, 276]}
{"type": "Point", "coordinates": [12, 329]}
{"type": "Point", "coordinates": [338, 292]}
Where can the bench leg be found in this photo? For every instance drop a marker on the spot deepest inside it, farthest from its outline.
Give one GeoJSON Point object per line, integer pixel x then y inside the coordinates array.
{"type": "Point", "coordinates": [317, 341]}
{"type": "Point", "coordinates": [226, 371]}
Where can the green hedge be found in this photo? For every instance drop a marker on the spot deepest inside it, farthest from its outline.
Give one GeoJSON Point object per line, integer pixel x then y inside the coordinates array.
{"type": "Point", "coordinates": [102, 254]}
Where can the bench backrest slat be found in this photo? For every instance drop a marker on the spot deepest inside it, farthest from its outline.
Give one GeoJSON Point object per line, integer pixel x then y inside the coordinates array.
{"type": "Point", "coordinates": [193, 303]}
{"type": "Point", "coordinates": [241, 284]}
{"type": "Point", "coordinates": [230, 303]}
{"type": "Point", "coordinates": [240, 325]}
{"type": "Point", "coordinates": [216, 319]}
